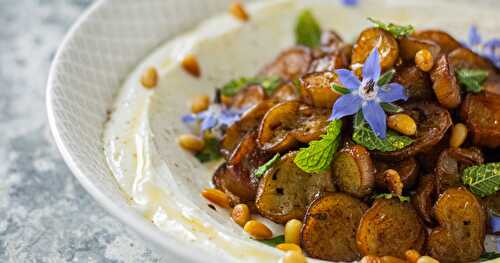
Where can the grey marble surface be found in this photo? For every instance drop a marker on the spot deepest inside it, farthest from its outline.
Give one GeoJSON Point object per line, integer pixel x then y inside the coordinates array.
{"type": "Point", "coordinates": [45, 215]}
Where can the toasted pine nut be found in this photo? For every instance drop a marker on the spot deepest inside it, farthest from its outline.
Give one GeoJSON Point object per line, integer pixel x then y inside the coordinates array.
{"type": "Point", "coordinates": [200, 103]}
{"type": "Point", "coordinates": [236, 9]}
{"type": "Point", "coordinates": [292, 231]}
{"type": "Point", "coordinates": [258, 230]}
{"type": "Point", "coordinates": [402, 123]}
{"type": "Point", "coordinates": [390, 259]}
{"type": "Point", "coordinates": [191, 142]}
{"type": "Point", "coordinates": [241, 214]}
{"type": "Point", "coordinates": [293, 257]}
{"type": "Point", "coordinates": [393, 181]}
{"type": "Point", "coordinates": [458, 135]}
{"type": "Point", "coordinates": [149, 78]}
{"type": "Point", "coordinates": [424, 60]}
{"type": "Point", "coordinates": [427, 259]}
{"type": "Point", "coordinates": [412, 255]}
{"type": "Point", "coordinates": [288, 247]}
{"type": "Point", "coordinates": [216, 196]}
{"type": "Point", "coordinates": [190, 64]}
{"type": "Point", "coordinates": [370, 259]}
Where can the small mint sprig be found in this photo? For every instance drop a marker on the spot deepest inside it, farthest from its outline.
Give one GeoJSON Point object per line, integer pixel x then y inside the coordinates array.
{"type": "Point", "coordinates": [472, 79]}
{"type": "Point", "coordinates": [269, 84]}
{"type": "Point", "coordinates": [307, 30]}
{"type": "Point", "coordinates": [483, 180]}
{"type": "Point", "coordinates": [263, 168]}
{"type": "Point", "coordinates": [396, 30]}
{"type": "Point", "coordinates": [402, 199]}
{"type": "Point", "coordinates": [273, 241]}
{"type": "Point", "coordinates": [319, 154]}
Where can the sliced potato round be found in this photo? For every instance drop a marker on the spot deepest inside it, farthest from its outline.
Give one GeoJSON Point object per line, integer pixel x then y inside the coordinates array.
{"type": "Point", "coordinates": [443, 39]}
{"type": "Point", "coordinates": [330, 225]}
{"type": "Point", "coordinates": [315, 89]}
{"type": "Point", "coordinates": [424, 198]}
{"type": "Point", "coordinates": [432, 123]}
{"type": "Point", "coordinates": [408, 170]}
{"type": "Point", "coordinates": [462, 227]}
{"type": "Point", "coordinates": [285, 190]}
{"type": "Point", "coordinates": [290, 64]}
{"type": "Point", "coordinates": [390, 228]}
{"type": "Point", "coordinates": [445, 84]}
{"type": "Point", "coordinates": [409, 46]}
{"type": "Point", "coordinates": [375, 37]}
{"type": "Point", "coordinates": [464, 58]}
{"type": "Point", "coordinates": [353, 170]}
{"type": "Point", "coordinates": [417, 82]}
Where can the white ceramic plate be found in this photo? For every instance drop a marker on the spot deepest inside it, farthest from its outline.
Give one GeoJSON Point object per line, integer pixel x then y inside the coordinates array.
{"type": "Point", "coordinates": [114, 36]}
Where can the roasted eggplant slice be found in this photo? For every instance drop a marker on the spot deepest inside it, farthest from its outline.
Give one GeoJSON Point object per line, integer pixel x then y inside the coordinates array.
{"type": "Point", "coordinates": [409, 46]}
{"type": "Point", "coordinates": [451, 163]}
{"type": "Point", "coordinates": [481, 113]}
{"type": "Point", "coordinates": [424, 198]}
{"type": "Point", "coordinates": [290, 64]}
{"type": "Point", "coordinates": [315, 89]}
{"type": "Point", "coordinates": [408, 170]}
{"type": "Point", "coordinates": [462, 227]}
{"type": "Point", "coordinates": [248, 97]}
{"type": "Point", "coordinates": [445, 84]}
{"type": "Point", "coordinates": [443, 39]}
{"type": "Point", "coordinates": [334, 58]}
{"type": "Point", "coordinates": [353, 170]}
{"type": "Point", "coordinates": [389, 228]}
{"type": "Point", "coordinates": [375, 37]}
{"type": "Point", "coordinates": [285, 190]}
{"type": "Point", "coordinates": [417, 82]}
{"type": "Point", "coordinates": [330, 225]}
{"type": "Point", "coordinates": [464, 58]}
{"type": "Point", "coordinates": [432, 123]}
{"type": "Point", "coordinates": [286, 92]}
{"type": "Point", "coordinates": [291, 122]}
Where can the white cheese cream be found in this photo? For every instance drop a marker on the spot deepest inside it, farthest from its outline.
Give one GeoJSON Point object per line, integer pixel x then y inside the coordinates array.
{"type": "Point", "coordinates": [129, 144]}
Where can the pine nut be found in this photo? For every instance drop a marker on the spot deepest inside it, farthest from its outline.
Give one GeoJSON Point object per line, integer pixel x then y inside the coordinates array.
{"type": "Point", "coordinates": [412, 255]}
{"type": "Point", "coordinates": [258, 230]}
{"type": "Point", "coordinates": [370, 259]}
{"type": "Point", "coordinates": [191, 66]}
{"type": "Point", "coordinates": [458, 135]}
{"type": "Point", "coordinates": [191, 142]}
{"type": "Point", "coordinates": [393, 181]}
{"type": "Point", "coordinates": [149, 78]}
{"type": "Point", "coordinates": [293, 257]}
{"type": "Point", "coordinates": [390, 259]}
{"type": "Point", "coordinates": [292, 231]}
{"type": "Point", "coordinates": [217, 197]}
{"type": "Point", "coordinates": [427, 259]}
{"type": "Point", "coordinates": [402, 123]}
{"type": "Point", "coordinates": [241, 214]}
{"type": "Point", "coordinates": [236, 9]}
{"type": "Point", "coordinates": [424, 60]}
{"type": "Point", "coordinates": [200, 103]}
{"type": "Point", "coordinates": [288, 247]}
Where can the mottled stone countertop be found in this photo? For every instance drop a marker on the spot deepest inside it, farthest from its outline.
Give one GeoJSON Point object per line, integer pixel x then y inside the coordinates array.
{"type": "Point", "coordinates": [45, 215]}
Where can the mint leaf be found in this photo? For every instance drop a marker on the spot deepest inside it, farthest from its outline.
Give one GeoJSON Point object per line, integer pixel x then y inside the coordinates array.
{"type": "Point", "coordinates": [339, 89]}
{"type": "Point", "coordinates": [390, 107]}
{"type": "Point", "coordinates": [472, 79]}
{"type": "Point", "coordinates": [489, 255]}
{"type": "Point", "coordinates": [263, 168]}
{"type": "Point", "coordinates": [307, 30]}
{"type": "Point", "coordinates": [483, 180]}
{"type": "Point", "coordinates": [210, 152]}
{"type": "Point", "coordinates": [390, 196]}
{"type": "Point", "coordinates": [396, 30]}
{"type": "Point", "coordinates": [386, 77]}
{"type": "Point", "coordinates": [273, 241]}
{"type": "Point", "coordinates": [269, 84]}
{"type": "Point", "coordinates": [364, 135]}
{"type": "Point", "coordinates": [319, 154]}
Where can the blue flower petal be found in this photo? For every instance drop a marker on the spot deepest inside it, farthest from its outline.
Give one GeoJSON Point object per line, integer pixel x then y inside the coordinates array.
{"type": "Point", "coordinates": [189, 118]}
{"type": "Point", "coordinates": [345, 105]}
{"type": "Point", "coordinates": [495, 223]}
{"type": "Point", "coordinates": [375, 116]}
{"type": "Point", "coordinates": [371, 68]}
{"type": "Point", "coordinates": [474, 37]}
{"type": "Point", "coordinates": [207, 123]}
{"type": "Point", "coordinates": [348, 79]}
{"type": "Point", "coordinates": [392, 92]}
{"type": "Point", "coordinates": [350, 2]}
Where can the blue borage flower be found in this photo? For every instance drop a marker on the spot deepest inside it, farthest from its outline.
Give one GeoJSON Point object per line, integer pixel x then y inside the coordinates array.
{"type": "Point", "coordinates": [495, 227]}
{"type": "Point", "coordinates": [367, 94]}
{"type": "Point", "coordinates": [489, 49]}
{"type": "Point", "coordinates": [214, 117]}
{"type": "Point", "coordinates": [349, 2]}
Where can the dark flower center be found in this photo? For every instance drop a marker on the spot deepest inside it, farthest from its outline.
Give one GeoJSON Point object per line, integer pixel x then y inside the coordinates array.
{"type": "Point", "coordinates": [370, 86]}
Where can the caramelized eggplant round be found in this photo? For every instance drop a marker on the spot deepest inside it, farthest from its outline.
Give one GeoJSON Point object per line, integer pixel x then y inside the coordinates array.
{"type": "Point", "coordinates": [290, 64]}
{"type": "Point", "coordinates": [417, 83]}
{"type": "Point", "coordinates": [408, 170]}
{"type": "Point", "coordinates": [451, 163]}
{"type": "Point", "coordinates": [445, 84]}
{"type": "Point", "coordinates": [409, 46]}
{"type": "Point", "coordinates": [424, 198]}
{"type": "Point", "coordinates": [464, 58]}
{"type": "Point", "coordinates": [371, 38]}
{"type": "Point", "coordinates": [443, 39]}
{"type": "Point", "coordinates": [315, 89]}
{"type": "Point", "coordinates": [353, 170]}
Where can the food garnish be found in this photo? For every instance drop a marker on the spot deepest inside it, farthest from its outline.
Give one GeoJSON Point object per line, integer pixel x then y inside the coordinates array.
{"type": "Point", "coordinates": [236, 9]}
{"type": "Point", "coordinates": [210, 151]}
{"type": "Point", "coordinates": [397, 30]}
{"type": "Point", "coordinates": [472, 79]}
{"type": "Point", "coordinates": [269, 84]}
{"type": "Point", "coordinates": [390, 196]}
{"type": "Point", "coordinates": [489, 255]}
{"type": "Point", "coordinates": [307, 30]}
{"type": "Point", "coordinates": [149, 78]}
{"type": "Point", "coordinates": [263, 168]}
{"type": "Point", "coordinates": [190, 65]}
{"type": "Point", "coordinates": [483, 180]}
